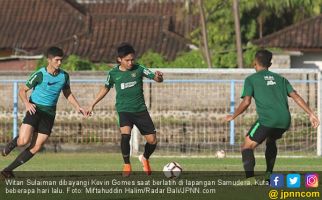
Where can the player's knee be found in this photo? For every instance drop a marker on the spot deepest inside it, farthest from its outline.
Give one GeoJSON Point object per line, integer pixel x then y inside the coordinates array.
{"type": "Point", "coordinates": [247, 146]}
{"type": "Point", "coordinates": [35, 149]}
{"type": "Point", "coordinates": [22, 141]}
{"type": "Point", "coordinates": [153, 141]}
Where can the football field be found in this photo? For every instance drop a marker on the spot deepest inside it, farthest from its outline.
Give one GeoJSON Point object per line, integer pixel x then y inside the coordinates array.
{"type": "Point", "coordinates": [113, 162]}
{"type": "Point", "coordinates": [98, 176]}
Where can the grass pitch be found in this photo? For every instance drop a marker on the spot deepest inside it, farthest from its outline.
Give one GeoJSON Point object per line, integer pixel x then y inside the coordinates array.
{"type": "Point", "coordinates": [113, 162]}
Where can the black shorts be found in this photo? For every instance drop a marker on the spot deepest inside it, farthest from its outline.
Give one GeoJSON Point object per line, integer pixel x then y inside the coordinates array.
{"type": "Point", "coordinates": [41, 121]}
{"type": "Point", "coordinates": [259, 133]}
{"type": "Point", "coordinates": [142, 120]}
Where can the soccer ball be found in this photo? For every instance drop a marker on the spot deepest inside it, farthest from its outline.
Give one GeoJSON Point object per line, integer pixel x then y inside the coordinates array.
{"type": "Point", "coordinates": [221, 154]}
{"type": "Point", "coordinates": [172, 170]}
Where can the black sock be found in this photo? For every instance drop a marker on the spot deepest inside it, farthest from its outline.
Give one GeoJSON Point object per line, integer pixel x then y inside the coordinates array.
{"type": "Point", "coordinates": [248, 162]}
{"type": "Point", "coordinates": [270, 155]}
{"type": "Point", "coordinates": [148, 150]}
{"type": "Point", "coordinates": [12, 144]}
{"type": "Point", "coordinates": [125, 147]}
{"type": "Point", "coordinates": [21, 159]}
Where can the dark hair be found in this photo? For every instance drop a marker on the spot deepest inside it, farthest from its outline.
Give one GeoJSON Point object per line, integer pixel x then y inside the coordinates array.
{"type": "Point", "coordinates": [54, 51]}
{"type": "Point", "coordinates": [125, 49]}
{"type": "Point", "coordinates": [264, 57]}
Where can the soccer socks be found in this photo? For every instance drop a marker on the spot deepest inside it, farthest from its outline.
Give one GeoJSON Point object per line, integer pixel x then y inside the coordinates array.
{"type": "Point", "coordinates": [21, 159]}
{"type": "Point", "coordinates": [270, 155]}
{"type": "Point", "coordinates": [248, 162]}
{"type": "Point", "coordinates": [10, 146]}
{"type": "Point", "coordinates": [125, 147]}
{"type": "Point", "coordinates": [148, 150]}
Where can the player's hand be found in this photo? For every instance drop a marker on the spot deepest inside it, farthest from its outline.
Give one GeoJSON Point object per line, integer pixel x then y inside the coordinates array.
{"type": "Point", "coordinates": [89, 111]}
{"type": "Point", "coordinates": [82, 110]}
{"type": "Point", "coordinates": [31, 108]}
{"type": "Point", "coordinates": [158, 74]}
{"type": "Point", "coordinates": [314, 120]}
{"type": "Point", "coordinates": [229, 118]}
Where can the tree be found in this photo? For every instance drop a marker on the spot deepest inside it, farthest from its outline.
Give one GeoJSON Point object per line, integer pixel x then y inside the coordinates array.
{"type": "Point", "coordinates": [238, 34]}
{"type": "Point", "coordinates": [267, 9]}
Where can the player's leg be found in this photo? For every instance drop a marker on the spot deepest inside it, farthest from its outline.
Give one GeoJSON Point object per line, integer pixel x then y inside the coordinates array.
{"type": "Point", "coordinates": [256, 135]}
{"type": "Point", "coordinates": [271, 149]}
{"type": "Point", "coordinates": [43, 123]}
{"type": "Point", "coordinates": [270, 154]}
{"type": "Point", "coordinates": [29, 152]}
{"type": "Point", "coordinates": [145, 124]}
{"type": "Point", "coordinates": [125, 128]}
{"type": "Point", "coordinates": [25, 132]}
{"type": "Point", "coordinates": [150, 145]}
{"type": "Point", "coordinates": [248, 157]}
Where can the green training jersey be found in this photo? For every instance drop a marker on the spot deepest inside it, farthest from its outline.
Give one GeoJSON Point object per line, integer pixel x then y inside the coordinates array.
{"type": "Point", "coordinates": [270, 92]}
{"type": "Point", "coordinates": [129, 87]}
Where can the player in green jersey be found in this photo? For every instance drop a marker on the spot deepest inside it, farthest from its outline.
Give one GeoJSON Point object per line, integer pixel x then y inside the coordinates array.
{"type": "Point", "coordinates": [127, 78]}
{"type": "Point", "coordinates": [46, 85]}
{"type": "Point", "coordinates": [270, 92]}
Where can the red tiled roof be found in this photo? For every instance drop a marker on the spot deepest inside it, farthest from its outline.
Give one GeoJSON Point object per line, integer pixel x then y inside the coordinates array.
{"type": "Point", "coordinates": [94, 30]}
{"type": "Point", "coordinates": [305, 35]}
{"type": "Point", "coordinates": [32, 24]}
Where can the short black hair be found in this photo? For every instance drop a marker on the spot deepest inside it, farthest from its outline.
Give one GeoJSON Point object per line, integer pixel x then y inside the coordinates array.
{"type": "Point", "coordinates": [125, 49]}
{"type": "Point", "coordinates": [54, 51]}
{"type": "Point", "coordinates": [264, 57]}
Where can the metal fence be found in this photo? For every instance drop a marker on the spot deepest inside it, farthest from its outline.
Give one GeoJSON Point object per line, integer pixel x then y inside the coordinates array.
{"type": "Point", "coordinates": [187, 108]}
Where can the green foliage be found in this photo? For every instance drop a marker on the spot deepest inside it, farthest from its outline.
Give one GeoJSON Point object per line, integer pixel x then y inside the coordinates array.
{"type": "Point", "coordinates": [41, 63]}
{"type": "Point", "coordinates": [75, 63]}
{"type": "Point", "coordinates": [192, 59]}
{"type": "Point", "coordinates": [152, 59]}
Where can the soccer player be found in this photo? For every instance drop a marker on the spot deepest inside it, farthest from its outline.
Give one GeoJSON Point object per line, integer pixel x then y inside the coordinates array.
{"type": "Point", "coordinates": [46, 85]}
{"type": "Point", "coordinates": [127, 77]}
{"type": "Point", "coordinates": [270, 92]}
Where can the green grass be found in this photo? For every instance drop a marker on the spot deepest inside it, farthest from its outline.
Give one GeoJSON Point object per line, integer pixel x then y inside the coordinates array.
{"type": "Point", "coordinates": [113, 162]}
{"type": "Point", "coordinates": [98, 165]}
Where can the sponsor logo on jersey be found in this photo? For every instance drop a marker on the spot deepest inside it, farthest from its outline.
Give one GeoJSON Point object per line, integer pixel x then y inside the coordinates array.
{"type": "Point", "coordinates": [52, 83]}
{"type": "Point", "coordinates": [269, 80]}
{"type": "Point", "coordinates": [128, 85]}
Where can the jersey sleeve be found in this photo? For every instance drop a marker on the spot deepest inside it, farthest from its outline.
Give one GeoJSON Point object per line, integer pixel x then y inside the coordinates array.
{"type": "Point", "coordinates": [147, 73]}
{"type": "Point", "coordinates": [67, 82]}
{"type": "Point", "coordinates": [289, 87]}
{"type": "Point", "coordinates": [34, 79]}
{"type": "Point", "coordinates": [109, 83]}
{"type": "Point", "coordinates": [248, 89]}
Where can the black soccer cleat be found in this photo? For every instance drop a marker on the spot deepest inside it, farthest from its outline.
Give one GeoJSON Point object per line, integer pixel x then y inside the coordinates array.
{"type": "Point", "coordinates": [7, 174]}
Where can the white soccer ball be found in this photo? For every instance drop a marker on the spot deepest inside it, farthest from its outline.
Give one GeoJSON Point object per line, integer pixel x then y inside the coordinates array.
{"type": "Point", "coordinates": [221, 154]}
{"type": "Point", "coordinates": [172, 170]}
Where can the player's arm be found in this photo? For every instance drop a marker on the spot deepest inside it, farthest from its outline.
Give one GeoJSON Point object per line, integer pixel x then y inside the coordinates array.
{"type": "Point", "coordinates": [299, 101]}
{"type": "Point", "coordinates": [71, 99]}
{"type": "Point", "coordinates": [100, 95]}
{"type": "Point", "coordinates": [30, 107]}
{"type": "Point", "coordinates": [156, 76]}
{"type": "Point", "coordinates": [247, 100]}
{"type": "Point", "coordinates": [35, 79]}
